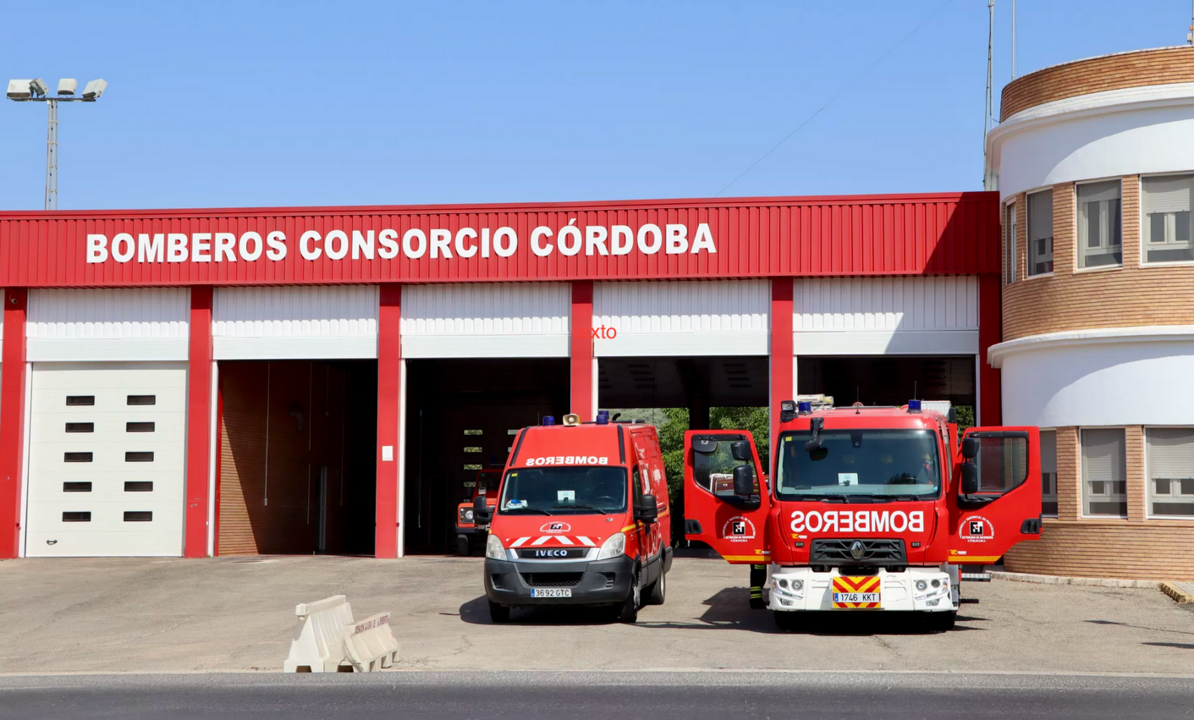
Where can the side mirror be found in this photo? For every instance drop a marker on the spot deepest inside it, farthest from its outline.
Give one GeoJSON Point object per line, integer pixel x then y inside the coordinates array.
{"type": "Point", "coordinates": [704, 445]}
{"type": "Point", "coordinates": [969, 478]}
{"type": "Point", "coordinates": [740, 449]}
{"type": "Point", "coordinates": [744, 481]}
{"type": "Point", "coordinates": [480, 511]}
{"type": "Point", "coordinates": [647, 510]}
{"type": "Point", "coordinates": [970, 448]}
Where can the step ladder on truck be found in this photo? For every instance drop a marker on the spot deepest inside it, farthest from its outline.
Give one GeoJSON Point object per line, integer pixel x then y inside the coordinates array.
{"type": "Point", "coordinates": [867, 508]}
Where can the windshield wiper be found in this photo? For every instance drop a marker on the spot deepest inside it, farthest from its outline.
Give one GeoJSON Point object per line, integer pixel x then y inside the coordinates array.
{"type": "Point", "coordinates": [532, 509]}
{"type": "Point", "coordinates": [581, 507]}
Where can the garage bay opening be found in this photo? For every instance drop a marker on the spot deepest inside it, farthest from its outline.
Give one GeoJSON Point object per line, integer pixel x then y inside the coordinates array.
{"type": "Point", "coordinates": [297, 468]}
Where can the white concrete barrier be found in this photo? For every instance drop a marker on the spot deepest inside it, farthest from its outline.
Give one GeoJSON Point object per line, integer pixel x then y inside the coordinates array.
{"type": "Point", "coordinates": [318, 642]}
{"type": "Point", "coordinates": [370, 643]}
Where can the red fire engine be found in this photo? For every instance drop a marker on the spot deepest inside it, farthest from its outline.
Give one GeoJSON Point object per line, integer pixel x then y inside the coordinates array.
{"type": "Point", "coordinates": [468, 533]}
{"type": "Point", "coordinates": [582, 518]}
{"type": "Point", "coordinates": [867, 507]}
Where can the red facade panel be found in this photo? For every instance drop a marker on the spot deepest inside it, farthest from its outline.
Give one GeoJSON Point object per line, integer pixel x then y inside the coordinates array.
{"type": "Point", "coordinates": [674, 239]}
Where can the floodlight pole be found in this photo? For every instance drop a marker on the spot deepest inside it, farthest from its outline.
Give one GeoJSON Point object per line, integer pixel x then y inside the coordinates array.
{"type": "Point", "coordinates": [52, 157]}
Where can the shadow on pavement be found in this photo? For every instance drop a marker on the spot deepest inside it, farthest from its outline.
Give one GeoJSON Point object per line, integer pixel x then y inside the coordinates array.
{"type": "Point", "coordinates": [476, 612]}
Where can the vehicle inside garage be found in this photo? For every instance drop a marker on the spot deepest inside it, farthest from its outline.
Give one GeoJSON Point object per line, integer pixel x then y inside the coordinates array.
{"type": "Point", "coordinates": [297, 468]}
{"type": "Point", "coordinates": [461, 417]}
{"type": "Point", "coordinates": [888, 379]}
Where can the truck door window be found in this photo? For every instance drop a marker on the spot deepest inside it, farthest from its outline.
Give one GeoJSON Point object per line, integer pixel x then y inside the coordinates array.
{"type": "Point", "coordinates": [1002, 463]}
{"type": "Point", "coordinates": [638, 488]}
{"type": "Point", "coordinates": [714, 471]}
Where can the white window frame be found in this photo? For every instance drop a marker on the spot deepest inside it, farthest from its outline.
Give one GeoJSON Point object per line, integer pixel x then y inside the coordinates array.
{"type": "Point", "coordinates": [1108, 496]}
{"type": "Point", "coordinates": [1106, 229]}
{"type": "Point", "coordinates": [1031, 255]}
{"type": "Point", "coordinates": [1146, 242]}
{"type": "Point", "coordinates": [1054, 479]}
{"type": "Point", "coordinates": [1148, 479]}
{"type": "Point", "coordinates": [1009, 217]}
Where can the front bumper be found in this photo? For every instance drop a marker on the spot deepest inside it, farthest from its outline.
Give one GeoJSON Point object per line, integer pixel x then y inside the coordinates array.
{"type": "Point", "coordinates": [593, 582]}
{"type": "Point", "coordinates": [897, 590]}
{"type": "Point", "coordinates": [471, 530]}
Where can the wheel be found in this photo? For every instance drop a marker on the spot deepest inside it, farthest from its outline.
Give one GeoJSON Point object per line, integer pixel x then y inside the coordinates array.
{"type": "Point", "coordinates": [463, 546]}
{"type": "Point", "coordinates": [942, 621]}
{"type": "Point", "coordinates": [628, 611]}
{"type": "Point", "coordinates": [498, 613]}
{"type": "Point", "coordinates": [657, 592]}
{"type": "Point", "coordinates": [788, 621]}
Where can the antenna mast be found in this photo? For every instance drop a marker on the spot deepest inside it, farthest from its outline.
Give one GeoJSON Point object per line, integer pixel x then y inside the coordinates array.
{"type": "Point", "coordinates": [987, 114]}
{"type": "Point", "coordinates": [1014, 39]}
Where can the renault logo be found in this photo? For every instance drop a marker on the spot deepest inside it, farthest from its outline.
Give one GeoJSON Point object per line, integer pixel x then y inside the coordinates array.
{"type": "Point", "coordinates": [857, 550]}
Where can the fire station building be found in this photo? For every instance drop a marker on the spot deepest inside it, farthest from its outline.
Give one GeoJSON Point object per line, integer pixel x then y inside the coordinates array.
{"type": "Point", "coordinates": [304, 380]}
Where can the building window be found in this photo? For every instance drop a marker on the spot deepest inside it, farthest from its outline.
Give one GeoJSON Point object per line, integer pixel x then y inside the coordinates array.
{"type": "Point", "coordinates": [1040, 233]}
{"type": "Point", "coordinates": [1166, 209]}
{"type": "Point", "coordinates": [1104, 473]}
{"type": "Point", "coordinates": [1170, 453]}
{"type": "Point", "coordinates": [1100, 236]}
{"type": "Point", "coordinates": [1049, 472]}
{"type": "Point", "coordinates": [1010, 259]}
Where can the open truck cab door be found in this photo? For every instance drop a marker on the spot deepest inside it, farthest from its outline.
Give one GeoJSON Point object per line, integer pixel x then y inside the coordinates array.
{"type": "Point", "coordinates": [996, 494]}
{"type": "Point", "coordinates": [726, 500]}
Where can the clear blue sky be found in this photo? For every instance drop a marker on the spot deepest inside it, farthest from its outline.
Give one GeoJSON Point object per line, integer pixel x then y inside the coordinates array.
{"type": "Point", "coordinates": [217, 104]}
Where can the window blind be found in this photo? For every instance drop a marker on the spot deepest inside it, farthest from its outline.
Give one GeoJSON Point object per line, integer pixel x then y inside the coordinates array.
{"type": "Point", "coordinates": [1098, 192]}
{"type": "Point", "coordinates": [1104, 456]}
{"type": "Point", "coordinates": [1040, 215]}
{"type": "Point", "coordinates": [1170, 452]}
{"type": "Point", "coordinates": [1167, 194]}
{"type": "Point", "coordinates": [1048, 451]}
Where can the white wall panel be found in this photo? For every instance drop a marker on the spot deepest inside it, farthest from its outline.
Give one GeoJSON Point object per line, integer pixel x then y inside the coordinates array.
{"type": "Point", "coordinates": [486, 320]}
{"type": "Point", "coordinates": [121, 324]}
{"type": "Point", "coordinates": [308, 322]}
{"type": "Point", "coordinates": [876, 316]}
{"type": "Point", "coordinates": [728, 317]}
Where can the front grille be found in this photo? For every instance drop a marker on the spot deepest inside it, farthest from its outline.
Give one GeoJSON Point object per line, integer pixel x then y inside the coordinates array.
{"type": "Point", "coordinates": [875, 552]}
{"type": "Point", "coordinates": [552, 579]}
{"type": "Point", "coordinates": [552, 553]}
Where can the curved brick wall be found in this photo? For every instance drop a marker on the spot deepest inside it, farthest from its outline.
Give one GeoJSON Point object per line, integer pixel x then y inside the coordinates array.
{"type": "Point", "coordinates": [1109, 72]}
{"type": "Point", "coordinates": [1073, 299]}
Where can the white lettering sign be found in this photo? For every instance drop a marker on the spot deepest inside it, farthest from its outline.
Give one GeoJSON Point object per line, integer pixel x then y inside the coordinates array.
{"type": "Point", "coordinates": [858, 521]}
{"type": "Point", "coordinates": [567, 460]}
{"type": "Point", "coordinates": [337, 245]}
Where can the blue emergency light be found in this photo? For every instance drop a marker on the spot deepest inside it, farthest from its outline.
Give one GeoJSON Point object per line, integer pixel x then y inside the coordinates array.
{"type": "Point", "coordinates": [913, 406]}
{"type": "Point", "coordinates": [603, 417]}
{"type": "Point", "coordinates": [804, 406]}
{"type": "Point", "coordinates": [549, 420]}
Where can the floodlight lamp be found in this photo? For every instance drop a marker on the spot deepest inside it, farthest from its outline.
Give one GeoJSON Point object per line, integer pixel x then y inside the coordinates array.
{"type": "Point", "coordinates": [38, 87]}
{"type": "Point", "coordinates": [67, 86]}
{"type": "Point", "coordinates": [94, 90]}
{"type": "Point", "coordinates": [19, 89]}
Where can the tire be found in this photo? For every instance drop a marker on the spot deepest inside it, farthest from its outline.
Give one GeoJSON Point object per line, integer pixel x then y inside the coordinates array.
{"type": "Point", "coordinates": [942, 621]}
{"type": "Point", "coordinates": [498, 613]}
{"type": "Point", "coordinates": [463, 547]}
{"type": "Point", "coordinates": [788, 621]}
{"type": "Point", "coordinates": [628, 610]}
{"type": "Point", "coordinates": [657, 592]}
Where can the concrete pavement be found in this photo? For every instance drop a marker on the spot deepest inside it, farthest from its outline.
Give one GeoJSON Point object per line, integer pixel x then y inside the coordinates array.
{"type": "Point", "coordinates": [72, 615]}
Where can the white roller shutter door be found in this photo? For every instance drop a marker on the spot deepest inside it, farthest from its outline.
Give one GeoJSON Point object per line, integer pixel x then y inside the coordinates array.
{"type": "Point", "coordinates": [106, 459]}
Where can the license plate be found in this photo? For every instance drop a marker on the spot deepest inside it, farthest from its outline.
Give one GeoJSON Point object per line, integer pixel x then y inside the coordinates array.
{"type": "Point", "coordinates": [551, 592]}
{"type": "Point", "coordinates": [857, 592]}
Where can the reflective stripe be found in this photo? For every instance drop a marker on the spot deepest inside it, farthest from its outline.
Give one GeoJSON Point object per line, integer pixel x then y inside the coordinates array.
{"type": "Point", "coordinates": [540, 541]}
{"type": "Point", "coordinates": [565, 540]}
{"type": "Point", "coordinates": [585, 541]}
{"type": "Point", "coordinates": [519, 542]}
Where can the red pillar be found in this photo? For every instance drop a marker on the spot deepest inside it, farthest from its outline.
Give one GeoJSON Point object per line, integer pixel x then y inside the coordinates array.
{"type": "Point", "coordinates": [990, 332]}
{"type": "Point", "coordinates": [782, 359]}
{"type": "Point", "coordinates": [581, 351]}
{"type": "Point", "coordinates": [389, 408]}
{"type": "Point", "coordinates": [198, 423]}
{"type": "Point", "coordinates": [12, 420]}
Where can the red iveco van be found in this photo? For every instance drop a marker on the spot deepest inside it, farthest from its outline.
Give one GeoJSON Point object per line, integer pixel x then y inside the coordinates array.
{"type": "Point", "coordinates": [582, 518]}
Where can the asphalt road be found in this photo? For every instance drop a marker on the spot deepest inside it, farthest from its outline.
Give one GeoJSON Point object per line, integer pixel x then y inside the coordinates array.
{"type": "Point", "coordinates": [526, 696]}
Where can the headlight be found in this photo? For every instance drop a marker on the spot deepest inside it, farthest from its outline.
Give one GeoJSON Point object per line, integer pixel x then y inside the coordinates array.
{"type": "Point", "coordinates": [614, 546]}
{"type": "Point", "coordinates": [494, 548]}
{"type": "Point", "coordinates": [921, 585]}
{"type": "Point", "coordinates": [797, 585]}
{"type": "Point", "coordinates": [783, 583]}
{"type": "Point", "coordinates": [466, 515]}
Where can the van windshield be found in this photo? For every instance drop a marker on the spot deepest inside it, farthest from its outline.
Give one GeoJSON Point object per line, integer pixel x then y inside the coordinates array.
{"type": "Point", "coordinates": [859, 465]}
{"type": "Point", "coordinates": [575, 490]}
